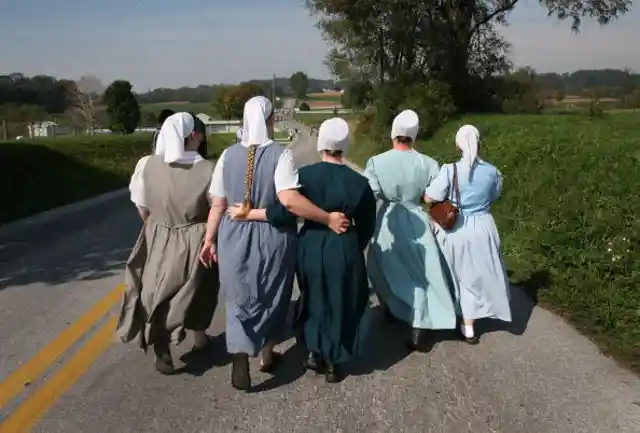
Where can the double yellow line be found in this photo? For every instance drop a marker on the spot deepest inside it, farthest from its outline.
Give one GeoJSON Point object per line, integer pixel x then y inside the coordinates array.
{"type": "Point", "coordinates": [35, 406]}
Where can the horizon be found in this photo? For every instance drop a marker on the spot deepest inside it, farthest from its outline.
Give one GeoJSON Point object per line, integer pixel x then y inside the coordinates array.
{"type": "Point", "coordinates": [247, 39]}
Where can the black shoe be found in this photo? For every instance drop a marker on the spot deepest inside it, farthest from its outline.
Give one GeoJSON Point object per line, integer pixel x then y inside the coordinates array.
{"type": "Point", "coordinates": [471, 341]}
{"type": "Point", "coordinates": [333, 374]}
{"type": "Point", "coordinates": [415, 340]}
{"type": "Point", "coordinates": [240, 378]}
{"type": "Point", "coordinates": [163, 361]}
{"type": "Point", "coordinates": [313, 362]}
{"type": "Point", "coordinates": [271, 367]}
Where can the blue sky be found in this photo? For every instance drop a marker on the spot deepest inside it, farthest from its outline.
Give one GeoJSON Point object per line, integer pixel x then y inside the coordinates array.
{"type": "Point", "coordinates": [169, 43]}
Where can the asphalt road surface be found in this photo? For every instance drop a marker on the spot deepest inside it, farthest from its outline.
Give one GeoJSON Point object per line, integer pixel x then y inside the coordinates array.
{"type": "Point", "coordinates": [61, 371]}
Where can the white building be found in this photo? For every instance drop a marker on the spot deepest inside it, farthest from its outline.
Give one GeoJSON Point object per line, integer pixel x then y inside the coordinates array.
{"type": "Point", "coordinates": [219, 126]}
{"type": "Point", "coordinates": [47, 129]}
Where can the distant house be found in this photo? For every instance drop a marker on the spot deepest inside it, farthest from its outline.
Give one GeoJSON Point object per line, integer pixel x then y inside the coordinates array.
{"type": "Point", "coordinates": [47, 129]}
{"type": "Point", "coordinates": [219, 126]}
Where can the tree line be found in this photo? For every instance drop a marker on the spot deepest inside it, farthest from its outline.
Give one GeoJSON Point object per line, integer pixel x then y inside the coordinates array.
{"type": "Point", "coordinates": [82, 105]}
{"type": "Point", "coordinates": [285, 87]}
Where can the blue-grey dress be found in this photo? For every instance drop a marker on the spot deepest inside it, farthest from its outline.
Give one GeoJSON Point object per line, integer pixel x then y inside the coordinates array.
{"type": "Point", "coordinates": [404, 262]}
{"type": "Point", "coordinates": [256, 259]}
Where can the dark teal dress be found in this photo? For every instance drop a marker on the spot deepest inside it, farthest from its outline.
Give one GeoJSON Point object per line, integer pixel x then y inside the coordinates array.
{"type": "Point", "coordinates": [331, 268]}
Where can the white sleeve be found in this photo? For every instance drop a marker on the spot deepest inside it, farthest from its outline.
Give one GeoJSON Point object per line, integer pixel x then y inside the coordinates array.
{"type": "Point", "coordinates": [136, 185]}
{"type": "Point", "coordinates": [286, 175]}
{"type": "Point", "coordinates": [216, 188]}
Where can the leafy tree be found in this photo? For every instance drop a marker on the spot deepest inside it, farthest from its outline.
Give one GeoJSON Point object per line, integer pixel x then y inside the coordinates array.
{"type": "Point", "coordinates": [123, 109]}
{"type": "Point", "coordinates": [299, 83]}
{"type": "Point", "coordinates": [304, 107]}
{"type": "Point", "coordinates": [229, 101]}
{"type": "Point", "coordinates": [453, 42]}
{"type": "Point", "coordinates": [357, 94]}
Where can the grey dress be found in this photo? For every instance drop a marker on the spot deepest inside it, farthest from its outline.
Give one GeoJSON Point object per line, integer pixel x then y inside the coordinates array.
{"type": "Point", "coordinates": [167, 288]}
{"type": "Point", "coordinates": [257, 260]}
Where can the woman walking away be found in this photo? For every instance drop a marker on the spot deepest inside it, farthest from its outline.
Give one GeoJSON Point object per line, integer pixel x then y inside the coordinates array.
{"type": "Point", "coordinates": [257, 260]}
{"type": "Point", "coordinates": [405, 265]}
{"type": "Point", "coordinates": [472, 246]}
{"type": "Point", "coordinates": [167, 288]}
{"type": "Point", "coordinates": [331, 268]}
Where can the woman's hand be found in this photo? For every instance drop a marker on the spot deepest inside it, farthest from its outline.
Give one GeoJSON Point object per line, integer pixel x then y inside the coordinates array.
{"type": "Point", "coordinates": [237, 212]}
{"type": "Point", "coordinates": [208, 254]}
{"type": "Point", "coordinates": [338, 222]}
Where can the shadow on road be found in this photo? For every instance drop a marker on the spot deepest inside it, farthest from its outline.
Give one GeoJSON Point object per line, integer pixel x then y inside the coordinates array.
{"type": "Point", "coordinates": [215, 355]}
{"type": "Point", "coordinates": [85, 246]}
{"type": "Point", "coordinates": [386, 346]}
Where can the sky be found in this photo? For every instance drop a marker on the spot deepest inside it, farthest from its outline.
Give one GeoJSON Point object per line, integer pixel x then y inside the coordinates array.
{"type": "Point", "coordinates": [170, 43]}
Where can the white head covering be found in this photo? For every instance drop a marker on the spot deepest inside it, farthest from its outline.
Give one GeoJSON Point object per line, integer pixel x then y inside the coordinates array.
{"type": "Point", "coordinates": [172, 134]}
{"type": "Point", "coordinates": [333, 135]}
{"type": "Point", "coordinates": [254, 125]}
{"type": "Point", "coordinates": [239, 135]}
{"type": "Point", "coordinates": [406, 124]}
{"type": "Point", "coordinates": [468, 140]}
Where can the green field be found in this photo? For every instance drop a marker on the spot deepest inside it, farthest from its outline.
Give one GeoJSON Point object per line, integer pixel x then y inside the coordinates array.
{"type": "Point", "coordinates": [568, 216]}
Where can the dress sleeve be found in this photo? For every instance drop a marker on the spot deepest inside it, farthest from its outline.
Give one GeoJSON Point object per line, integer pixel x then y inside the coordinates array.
{"type": "Point", "coordinates": [365, 218]}
{"type": "Point", "coordinates": [136, 185]}
{"type": "Point", "coordinates": [370, 174]}
{"type": "Point", "coordinates": [438, 189]}
{"type": "Point", "coordinates": [279, 216]}
{"type": "Point", "coordinates": [286, 174]}
{"type": "Point", "coordinates": [216, 188]}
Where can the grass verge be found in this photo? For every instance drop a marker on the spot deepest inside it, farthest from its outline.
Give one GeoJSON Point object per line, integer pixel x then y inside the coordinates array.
{"type": "Point", "coordinates": [568, 216]}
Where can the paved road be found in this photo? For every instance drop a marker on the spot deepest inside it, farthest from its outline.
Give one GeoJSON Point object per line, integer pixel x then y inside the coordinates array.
{"type": "Point", "coordinates": [537, 375]}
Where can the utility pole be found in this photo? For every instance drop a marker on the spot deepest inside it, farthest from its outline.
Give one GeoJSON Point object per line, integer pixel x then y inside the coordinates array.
{"type": "Point", "coordinates": [273, 89]}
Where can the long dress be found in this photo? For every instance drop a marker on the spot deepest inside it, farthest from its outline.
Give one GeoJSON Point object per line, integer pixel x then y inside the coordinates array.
{"type": "Point", "coordinates": [256, 259]}
{"type": "Point", "coordinates": [405, 265]}
{"type": "Point", "coordinates": [167, 288]}
{"type": "Point", "coordinates": [334, 305]}
{"type": "Point", "coordinates": [472, 246]}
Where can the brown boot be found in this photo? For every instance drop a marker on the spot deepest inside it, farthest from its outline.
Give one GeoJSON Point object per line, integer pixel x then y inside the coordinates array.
{"type": "Point", "coordinates": [163, 361]}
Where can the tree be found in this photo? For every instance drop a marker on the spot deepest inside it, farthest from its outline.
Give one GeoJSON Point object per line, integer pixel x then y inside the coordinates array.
{"type": "Point", "coordinates": [82, 110]}
{"type": "Point", "coordinates": [299, 83]}
{"type": "Point", "coordinates": [228, 101]}
{"type": "Point", "coordinates": [357, 94]}
{"type": "Point", "coordinates": [123, 109]}
{"type": "Point", "coordinates": [454, 42]}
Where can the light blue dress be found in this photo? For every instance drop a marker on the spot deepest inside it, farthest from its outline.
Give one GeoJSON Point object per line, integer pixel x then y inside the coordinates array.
{"type": "Point", "coordinates": [472, 246]}
{"type": "Point", "coordinates": [404, 263]}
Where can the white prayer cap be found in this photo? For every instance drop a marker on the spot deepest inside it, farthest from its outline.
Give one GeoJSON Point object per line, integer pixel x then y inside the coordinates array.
{"type": "Point", "coordinates": [468, 141]}
{"type": "Point", "coordinates": [172, 134]}
{"type": "Point", "coordinates": [254, 126]}
{"type": "Point", "coordinates": [333, 134]}
{"type": "Point", "coordinates": [239, 134]}
{"type": "Point", "coordinates": [406, 124]}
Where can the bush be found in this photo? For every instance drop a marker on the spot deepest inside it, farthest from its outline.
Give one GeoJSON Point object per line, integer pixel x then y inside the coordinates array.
{"type": "Point", "coordinates": [568, 216]}
{"type": "Point", "coordinates": [41, 174]}
{"type": "Point", "coordinates": [304, 107]}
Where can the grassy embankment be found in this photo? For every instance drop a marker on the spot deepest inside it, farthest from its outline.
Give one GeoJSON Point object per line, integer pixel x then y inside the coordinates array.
{"type": "Point", "coordinates": [568, 216]}
{"type": "Point", "coordinates": [41, 174]}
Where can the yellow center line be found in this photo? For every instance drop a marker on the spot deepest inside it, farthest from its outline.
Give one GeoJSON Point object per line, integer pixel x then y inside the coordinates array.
{"type": "Point", "coordinates": [28, 414]}
{"type": "Point", "coordinates": [19, 379]}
